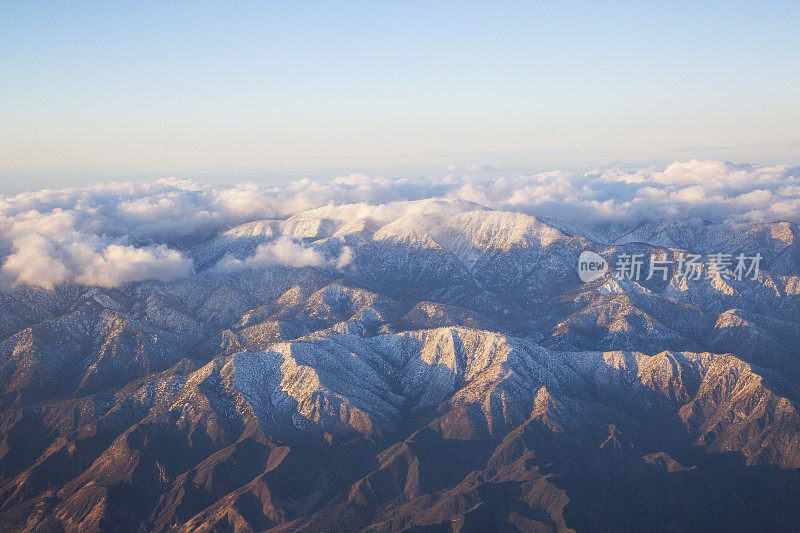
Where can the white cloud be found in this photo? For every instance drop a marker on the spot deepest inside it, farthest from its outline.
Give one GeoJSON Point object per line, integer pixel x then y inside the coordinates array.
{"type": "Point", "coordinates": [344, 259]}
{"type": "Point", "coordinates": [118, 264]}
{"type": "Point", "coordinates": [35, 263]}
{"type": "Point", "coordinates": [285, 252]}
{"type": "Point", "coordinates": [113, 233]}
{"type": "Point", "coordinates": [281, 252]}
{"type": "Point", "coordinates": [45, 260]}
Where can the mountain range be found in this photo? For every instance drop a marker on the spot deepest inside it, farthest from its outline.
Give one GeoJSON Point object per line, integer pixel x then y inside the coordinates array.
{"type": "Point", "coordinates": [437, 368]}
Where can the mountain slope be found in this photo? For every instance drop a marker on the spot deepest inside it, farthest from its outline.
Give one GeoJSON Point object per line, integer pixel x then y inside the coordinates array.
{"type": "Point", "coordinates": [435, 368]}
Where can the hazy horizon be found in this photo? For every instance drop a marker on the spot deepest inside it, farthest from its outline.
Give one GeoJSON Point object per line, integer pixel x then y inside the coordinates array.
{"type": "Point", "coordinates": [269, 92]}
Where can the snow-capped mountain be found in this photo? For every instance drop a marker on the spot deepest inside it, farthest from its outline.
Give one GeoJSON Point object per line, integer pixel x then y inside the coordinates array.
{"type": "Point", "coordinates": [433, 366]}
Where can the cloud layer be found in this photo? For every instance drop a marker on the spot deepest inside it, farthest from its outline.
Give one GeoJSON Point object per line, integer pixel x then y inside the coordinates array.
{"type": "Point", "coordinates": [286, 252]}
{"type": "Point", "coordinates": [110, 234]}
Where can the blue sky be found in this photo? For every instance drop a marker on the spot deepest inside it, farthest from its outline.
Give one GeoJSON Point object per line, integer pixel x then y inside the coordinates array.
{"type": "Point", "coordinates": [273, 90]}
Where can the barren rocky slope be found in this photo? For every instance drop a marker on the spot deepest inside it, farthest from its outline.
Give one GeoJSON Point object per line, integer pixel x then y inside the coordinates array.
{"type": "Point", "coordinates": [444, 370]}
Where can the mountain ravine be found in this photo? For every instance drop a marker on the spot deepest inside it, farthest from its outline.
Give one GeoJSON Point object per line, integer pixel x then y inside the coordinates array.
{"type": "Point", "coordinates": [444, 371]}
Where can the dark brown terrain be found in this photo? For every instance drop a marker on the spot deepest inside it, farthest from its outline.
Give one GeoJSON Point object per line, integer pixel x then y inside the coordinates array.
{"type": "Point", "coordinates": [455, 376]}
